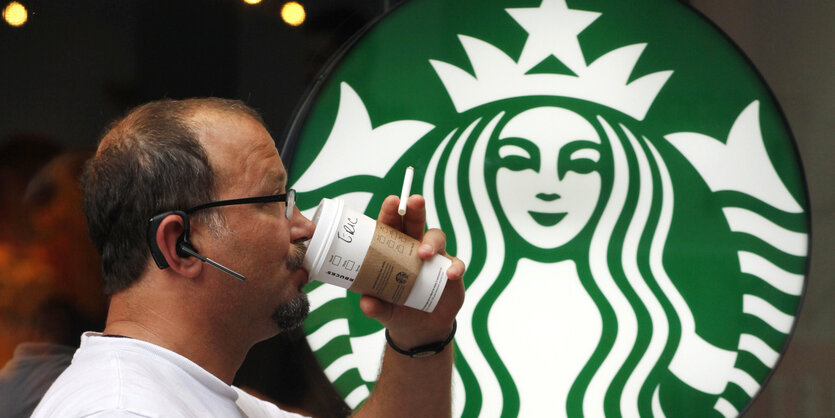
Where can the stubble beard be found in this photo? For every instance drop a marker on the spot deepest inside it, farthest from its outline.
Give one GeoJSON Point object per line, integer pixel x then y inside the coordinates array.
{"type": "Point", "coordinates": [291, 314]}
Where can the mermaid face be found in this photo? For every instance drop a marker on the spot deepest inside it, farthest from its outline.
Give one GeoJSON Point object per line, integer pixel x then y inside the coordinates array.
{"type": "Point", "coordinates": [548, 183]}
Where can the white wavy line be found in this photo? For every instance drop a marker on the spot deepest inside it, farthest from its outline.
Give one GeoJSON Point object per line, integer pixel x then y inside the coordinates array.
{"type": "Point", "coordinates": [656, 251]}
{"type": "Point", "coordinates": [340, 366]}
{"type": "Point", "coordinates": [465, 338]}
{"type": "Point", "coordinates": [725, 408]}
{"type": "Point", "coordinates": [745, 381]}
{"type": "Point", "coordinates": [491, 392]}
{"type": "Point", "coordinates": [760, 267]}
{"type": "Point", "coordinates": [629, 259]}
{"type": "Point", "coordinates": [458, 394]}
{"type": "Point", "coordinates": [356, 396]}
{"type": "Point", "coordinates": [368, 350]}
{"type": "Point", "coordinates": [748, 222]}
{"type": "Point", "coordinates": [453, 198]}
{"type": "Point", "coordinates": [756, 306]}
{"type": "Point", "coordinates": [324, 294]}
{"type": "Point", "coordinates": [327, 332]}
{"type": "Point", "coordinates": [762, 351]}
{"type": "Point", "coordinates": [626, 321]}
{"type": "Point", "coordinates": [657, 411]}
{"type": "Point", "coordinates": [432, 218]}
{"type": "Point", "coordinates": [706, 355]}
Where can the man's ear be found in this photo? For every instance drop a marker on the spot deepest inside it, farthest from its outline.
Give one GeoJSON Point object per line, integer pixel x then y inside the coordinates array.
{"type": "Point", "coordinates": [168, 237]}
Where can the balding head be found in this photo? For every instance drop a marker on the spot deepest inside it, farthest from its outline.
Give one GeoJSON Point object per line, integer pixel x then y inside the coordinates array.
{"type": "Point", "coordinates": [149, 162]}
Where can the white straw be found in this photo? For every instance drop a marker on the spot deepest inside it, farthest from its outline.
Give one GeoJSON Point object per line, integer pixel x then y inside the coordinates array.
{"type": "Point", "coordinates": [407, 187]}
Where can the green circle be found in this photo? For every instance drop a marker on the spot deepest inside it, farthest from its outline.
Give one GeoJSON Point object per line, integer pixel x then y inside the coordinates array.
{"type": "Point", "coordinates": [734, 249]}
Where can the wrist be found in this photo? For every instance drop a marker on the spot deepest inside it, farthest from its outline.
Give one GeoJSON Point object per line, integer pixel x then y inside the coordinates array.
{"type": "Point", "coordinates": [423, 350]}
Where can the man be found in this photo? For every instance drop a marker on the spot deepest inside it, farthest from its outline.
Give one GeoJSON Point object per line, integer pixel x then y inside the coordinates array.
{"type": "Point", "coordinates": [175, 336]}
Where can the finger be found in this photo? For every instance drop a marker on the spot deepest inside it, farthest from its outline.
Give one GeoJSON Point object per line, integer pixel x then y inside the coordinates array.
{"type": "Point", "coordinates": [433, 242]}
{"type": "Point", "coordinates": [414, 221]}
{"type": "Point", "coordinates": [376, 309]}
{"type": "Point", "coordinates": [456, 270]}
{"type": "Point", "coordinates": [388, 213]}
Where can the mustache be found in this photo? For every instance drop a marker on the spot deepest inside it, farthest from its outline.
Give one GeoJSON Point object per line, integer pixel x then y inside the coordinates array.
{"type": "Point", "coordinates": [296, 257]}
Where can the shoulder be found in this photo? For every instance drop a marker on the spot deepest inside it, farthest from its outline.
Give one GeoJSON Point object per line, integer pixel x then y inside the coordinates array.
{"type": "Point", "coordinates": [114, 376]}
{"type": "Point", "coordinates": [95, 388]}
{"type": "Point", "coordinates": [116, 413]}
{"type": "Point", "coordinates": [254, 407]}
{"type": "Point", "coordinates": [91, 381]}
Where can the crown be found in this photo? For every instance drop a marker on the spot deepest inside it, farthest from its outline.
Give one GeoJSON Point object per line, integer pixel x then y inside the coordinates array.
{"type": "Point", "coordinates": [552, 30]}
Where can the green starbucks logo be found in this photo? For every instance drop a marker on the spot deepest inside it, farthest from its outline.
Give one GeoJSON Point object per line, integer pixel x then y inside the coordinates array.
{"type": "Point", "coordinates": [618, 180]}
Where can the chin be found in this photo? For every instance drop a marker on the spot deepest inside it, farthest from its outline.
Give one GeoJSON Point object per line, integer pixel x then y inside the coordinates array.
{"type": "Point", "coordinates": [292, 313]}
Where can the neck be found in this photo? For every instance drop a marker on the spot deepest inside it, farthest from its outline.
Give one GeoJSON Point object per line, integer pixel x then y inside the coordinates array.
{"type": "Point", "coordinates": [178, 323]}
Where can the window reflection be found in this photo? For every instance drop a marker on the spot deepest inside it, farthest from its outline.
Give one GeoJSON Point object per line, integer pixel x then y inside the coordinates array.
{"type": "Point", "coordinates": [70, 71]}
{"type": "Point", "coordinates": [51, 288]}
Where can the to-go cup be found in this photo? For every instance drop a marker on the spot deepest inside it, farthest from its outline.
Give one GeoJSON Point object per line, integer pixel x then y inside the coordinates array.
{"type": "Point", "coordinates": [355, 252]}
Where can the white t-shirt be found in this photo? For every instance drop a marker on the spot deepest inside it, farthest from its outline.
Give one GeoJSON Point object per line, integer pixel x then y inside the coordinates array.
{"type": "Point", "coordinates": [124, 377]}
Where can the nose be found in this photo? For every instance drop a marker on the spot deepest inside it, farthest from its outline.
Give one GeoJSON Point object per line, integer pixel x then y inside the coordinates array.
{"type": "Point", "coordinates": [301, 228]}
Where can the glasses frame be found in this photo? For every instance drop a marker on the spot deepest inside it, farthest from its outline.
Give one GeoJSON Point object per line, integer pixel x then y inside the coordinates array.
{"type": "Point", "coordinates": [289, 198]}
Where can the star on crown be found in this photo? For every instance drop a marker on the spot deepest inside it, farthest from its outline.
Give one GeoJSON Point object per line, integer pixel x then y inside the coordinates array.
{"type": "Point", "coordinates": [552, 30]}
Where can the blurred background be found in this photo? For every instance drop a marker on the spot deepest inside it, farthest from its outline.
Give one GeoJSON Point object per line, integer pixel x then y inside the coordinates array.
{"type": "Point", "coordinates": [68, 68]}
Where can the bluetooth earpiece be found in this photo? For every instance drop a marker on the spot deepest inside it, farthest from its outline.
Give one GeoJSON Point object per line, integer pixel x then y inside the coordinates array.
{"type": "Point", "coordinates": [184, 248]}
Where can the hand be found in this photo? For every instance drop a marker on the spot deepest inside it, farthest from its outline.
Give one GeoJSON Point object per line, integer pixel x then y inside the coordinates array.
{"type": "Point", "coordinates": [410, 327]}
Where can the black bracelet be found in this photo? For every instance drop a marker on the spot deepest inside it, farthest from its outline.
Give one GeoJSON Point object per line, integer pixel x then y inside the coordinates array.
{"type": "Point", "coordinates": [426, 350]}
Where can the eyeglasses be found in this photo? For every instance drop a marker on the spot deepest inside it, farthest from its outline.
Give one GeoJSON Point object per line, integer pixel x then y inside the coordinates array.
{"type": "Point", "coordinates": [186, 249]}
{"type": "Point", "coordinates": [289, 198]}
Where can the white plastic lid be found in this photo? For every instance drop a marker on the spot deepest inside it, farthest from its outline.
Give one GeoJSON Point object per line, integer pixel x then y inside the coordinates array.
{"type": "Point", "coordinates": [326, 219]}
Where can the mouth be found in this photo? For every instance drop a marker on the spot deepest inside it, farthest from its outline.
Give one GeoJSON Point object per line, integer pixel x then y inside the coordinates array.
{"type": "Point", "coordinates": [296, 258]}
{"type": "Point", "coordinates": [300, 279]}
{"type": "Point", "coordinates": [547, 218]}
{"type": "Point", "coordinates": [294, 264]}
